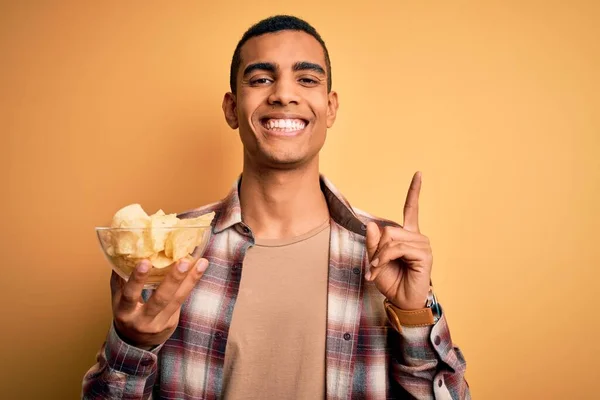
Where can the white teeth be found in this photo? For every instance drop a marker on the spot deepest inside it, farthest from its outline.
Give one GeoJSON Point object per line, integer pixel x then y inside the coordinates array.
{"type": "Point", "coordinates": [285, 124]}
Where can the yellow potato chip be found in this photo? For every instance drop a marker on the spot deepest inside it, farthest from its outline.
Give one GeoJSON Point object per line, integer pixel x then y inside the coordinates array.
{"type": "Point", "coordinates": [159, 231]}
{"type": "Point", "coordinates": [203, 220]}
{"type": "Point", "coordinates": [131, 242]}
{"type": "Point", "coordinates": [160, 260]}
{"type": "Point", "coordinates": [110, 250]}
{"type": "Point", "coordinates": [129, 239]}
{"type": "Point", "coordinates": [124, 264]}
{"type": "Point", "coordinates": [181, 242]}
{"type": "Point", "coordinates": [131, 216]}
{"type": "Point", "coordinates": [107, 242]}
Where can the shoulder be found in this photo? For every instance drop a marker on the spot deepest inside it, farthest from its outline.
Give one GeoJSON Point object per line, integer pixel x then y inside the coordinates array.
{"type": "Point", "coordinates": [215, 207]}
{"type": "Point", "coordinates": [365, 218]}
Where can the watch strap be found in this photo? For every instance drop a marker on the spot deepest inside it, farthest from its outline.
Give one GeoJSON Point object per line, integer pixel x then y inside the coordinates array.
{"type": "Point", "coordinates": [414, 318]}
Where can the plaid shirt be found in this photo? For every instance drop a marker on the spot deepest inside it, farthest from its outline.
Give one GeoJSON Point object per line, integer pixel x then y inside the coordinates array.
{"type": "Point", "coordinates": [365, 357]}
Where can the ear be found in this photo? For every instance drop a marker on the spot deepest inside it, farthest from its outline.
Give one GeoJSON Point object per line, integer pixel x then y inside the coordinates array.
{"type": "Point", "coordinates": [332, 107]}
{"type": "Point", "coordinates": [230, 110]}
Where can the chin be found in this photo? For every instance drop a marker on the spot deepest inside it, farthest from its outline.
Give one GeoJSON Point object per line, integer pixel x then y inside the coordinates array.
{"type": "Point", "coordinates": [285, 161]}
{"type": "Point", "coordinates": [282, 159]}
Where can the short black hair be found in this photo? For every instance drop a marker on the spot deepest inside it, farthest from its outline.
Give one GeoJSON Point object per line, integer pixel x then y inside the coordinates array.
{"type": "Point", "coordinates": [273, 24]}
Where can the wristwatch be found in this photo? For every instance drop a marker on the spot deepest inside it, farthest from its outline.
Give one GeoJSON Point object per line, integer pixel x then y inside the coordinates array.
{"type": "Point", "coordinates": [424, 317]}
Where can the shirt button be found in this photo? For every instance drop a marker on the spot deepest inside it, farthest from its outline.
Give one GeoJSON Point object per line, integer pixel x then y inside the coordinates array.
{"type": "Point", "coordinates": [218, 335]}
{"type": "Point", "coordinates": [356, 271]}
{"type": "Point", "coordinates": [363, 227]}
{"type": "Point", "coordinates": [236, 267]}
{"type": "Point", "coordinates": [440, 383]}
{"type": "Point", "coordinates": [347, 336]}
{"type": "Point", "coordinates": [437, 340]}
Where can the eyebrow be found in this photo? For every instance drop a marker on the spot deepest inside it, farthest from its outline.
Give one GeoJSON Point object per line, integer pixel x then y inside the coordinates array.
{"type": "Point", "coordinates": [305, 65]}
{"type": "Point", "coordinates": [261, 66]}
{"type": "Point", "coordinates": [270, 67]}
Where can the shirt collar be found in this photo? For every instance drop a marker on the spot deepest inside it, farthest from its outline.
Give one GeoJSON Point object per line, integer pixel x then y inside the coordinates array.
{"type": "Point", "coordinates": [340, 210]}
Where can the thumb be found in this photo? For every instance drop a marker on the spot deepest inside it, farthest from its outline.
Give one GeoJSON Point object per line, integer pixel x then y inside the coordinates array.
{"type": "Point", "coordinates": [373, 236]}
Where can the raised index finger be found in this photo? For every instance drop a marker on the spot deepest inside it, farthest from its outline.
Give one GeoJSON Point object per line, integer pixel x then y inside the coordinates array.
{"type": "Point", "coordinates": [411, 206]}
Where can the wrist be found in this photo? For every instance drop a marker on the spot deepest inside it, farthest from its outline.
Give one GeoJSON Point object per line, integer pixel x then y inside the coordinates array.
{"type": "Point", "coordinates": [428, 314]}
{"type": "Point", "coordinates": [416, 303]}
{"type": "Point", "coordinates": [131, 342]}
{"type": "Point", "coordinates": [400, 318]}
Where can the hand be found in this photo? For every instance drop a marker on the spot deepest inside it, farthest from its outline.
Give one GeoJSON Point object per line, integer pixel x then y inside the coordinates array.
{"type": "Point", "coordinates": [147, 324]}
{"type": "Point", "coordinates": [401, 258]}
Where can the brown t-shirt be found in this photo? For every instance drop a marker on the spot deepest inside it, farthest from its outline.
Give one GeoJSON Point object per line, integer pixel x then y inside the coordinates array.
{"type": "Point", "coordinates": [276, 343]}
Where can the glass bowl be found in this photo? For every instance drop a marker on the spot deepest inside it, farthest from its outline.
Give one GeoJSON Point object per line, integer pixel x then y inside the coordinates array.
{"type": "Point", "coordinates": [124, 248]}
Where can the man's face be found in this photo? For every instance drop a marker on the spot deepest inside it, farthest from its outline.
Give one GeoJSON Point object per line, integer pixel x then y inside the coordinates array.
{"type": "Point", "coordinates": [282, 107]}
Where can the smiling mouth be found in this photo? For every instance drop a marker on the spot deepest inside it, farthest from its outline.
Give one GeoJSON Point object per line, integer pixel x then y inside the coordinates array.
{"type": "Point", "coordinates": [283, 125]}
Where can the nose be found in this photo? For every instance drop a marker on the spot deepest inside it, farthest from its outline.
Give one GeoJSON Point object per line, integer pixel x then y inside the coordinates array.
{"type": "Point", "coordinates": [284, 92]}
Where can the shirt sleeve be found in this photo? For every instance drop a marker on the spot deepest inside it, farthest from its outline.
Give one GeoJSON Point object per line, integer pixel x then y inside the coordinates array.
{"type": "Point", "coordinates": [122, 371]}
{"type": "Point", "coordinates": [427, 365]}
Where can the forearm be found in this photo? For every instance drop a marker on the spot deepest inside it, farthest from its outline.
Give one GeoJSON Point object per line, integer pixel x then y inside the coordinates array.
{"type": "Point", "coordinates": [427, 365]}
{"type": "Point", "coordinates": [121, 371]}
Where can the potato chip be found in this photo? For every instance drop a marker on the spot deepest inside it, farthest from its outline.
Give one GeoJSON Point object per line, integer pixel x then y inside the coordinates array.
{"type": "Point", "coordinates": [181, 242]}
{"type": "Point", "coordinates": [158, 213]}
{"type": "Point", "coordinates": [131, 216]}
{"type": "Point", "coordinates": [107, 243]}
{"type": "Point", "coordinates": [160, 260]}
{"type": "Point", "coordinates": [184, 240]}
{"type": "Point", "coordinates": [125, 264]}
{"type": "Point", "coordinates": [159, 231]}
{"type": "Point", "coordinates": [203, 220]}
{"type": "Point", "coordinates": [130, 242]}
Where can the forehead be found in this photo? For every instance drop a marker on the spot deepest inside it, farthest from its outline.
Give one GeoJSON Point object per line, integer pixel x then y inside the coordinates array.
{"type": "Point", "coordinates": [283, 48]}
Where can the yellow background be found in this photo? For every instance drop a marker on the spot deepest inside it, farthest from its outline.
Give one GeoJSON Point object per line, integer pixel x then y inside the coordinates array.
{"type": "Point", "coordinates": [498, 103]}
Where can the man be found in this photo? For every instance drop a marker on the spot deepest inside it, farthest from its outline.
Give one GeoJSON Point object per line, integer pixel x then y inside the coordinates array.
{"type": "Point", "coordinates": [298, 296]}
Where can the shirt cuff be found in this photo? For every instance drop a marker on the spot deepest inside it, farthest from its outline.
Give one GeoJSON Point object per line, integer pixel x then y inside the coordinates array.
{"type": "Point", "coordinates": [128, 359]}
{"type": "Point", "coordinates": [428, 343]}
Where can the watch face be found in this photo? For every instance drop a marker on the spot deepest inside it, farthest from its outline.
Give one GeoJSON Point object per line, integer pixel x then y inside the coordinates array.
{"type": "Point", "coordinates": [433, 304]}
{"type": "Point", "coordinates": [430, 298]}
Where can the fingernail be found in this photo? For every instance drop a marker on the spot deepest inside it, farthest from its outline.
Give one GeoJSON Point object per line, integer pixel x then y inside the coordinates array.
{"type": "Point", "coordinates": [143, 267]}
{"type": "Point", "coordinates": [183, 266]}
{"type": "Point", "coordinates": [368, 275]}
{"type": "Point", "coordinates": [375, 262]}
{"type": "Point", "coordinates": [201, 265]}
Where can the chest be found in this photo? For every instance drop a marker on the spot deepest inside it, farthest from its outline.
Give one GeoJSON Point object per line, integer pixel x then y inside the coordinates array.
{"type": "Point", "coordinates": [353, 317]}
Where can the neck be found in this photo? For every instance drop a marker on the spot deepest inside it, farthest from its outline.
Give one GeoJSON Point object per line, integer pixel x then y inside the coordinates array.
{"type": "Point", "coordinates": [280, 204]}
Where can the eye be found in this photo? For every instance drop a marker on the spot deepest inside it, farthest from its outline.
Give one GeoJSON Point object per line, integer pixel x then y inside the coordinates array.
{"type": "Point", "coordinates": [260, 81]}
{"type": "Point", "coordinates": [307, 81]}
